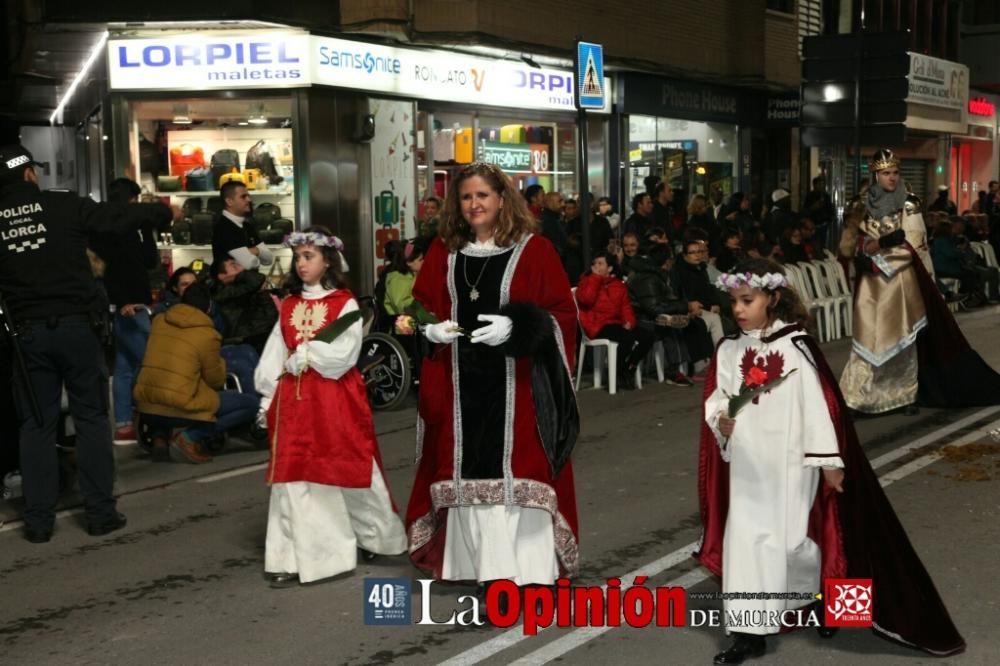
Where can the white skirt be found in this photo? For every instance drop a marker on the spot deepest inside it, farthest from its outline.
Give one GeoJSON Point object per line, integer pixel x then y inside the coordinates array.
{"type": "Point", "coordinates": [490, 542]}
{"type": "Point", "coordinates": [314, 530]}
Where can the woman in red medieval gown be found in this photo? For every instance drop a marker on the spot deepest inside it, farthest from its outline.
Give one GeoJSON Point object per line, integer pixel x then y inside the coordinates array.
{"type": "Point", "coordinates": [494, 496]}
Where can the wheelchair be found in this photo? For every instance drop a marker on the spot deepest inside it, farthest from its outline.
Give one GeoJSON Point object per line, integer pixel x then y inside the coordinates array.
{"type": "Point", "coordinates": [384, 362]}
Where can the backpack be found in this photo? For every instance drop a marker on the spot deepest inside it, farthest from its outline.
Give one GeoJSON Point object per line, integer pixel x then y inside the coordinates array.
{"type": "Point", "coordinates": [224, 161]}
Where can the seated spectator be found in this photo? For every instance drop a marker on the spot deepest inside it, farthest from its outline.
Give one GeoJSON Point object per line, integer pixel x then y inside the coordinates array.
{"type": "Point", "coordinates": [247, 308]}
{"type": "Point", "coordinates": [980, 280]}
{"type": "Point", "coordinates": [606, 312]}
{"type": "Point", "coordinates": [179, 392]}
{"type": "Point", "coordinates": [690, 278]}
{"type": "Point", "coordinates": [731, 252]}
{"type": "Point", "coordinates": [429, 223]}
{"type": "Point", "coordinates": [736, 213]}
{"type": "Point", "coordinates": [627, 252]}
{"type": "Point", "coordinates": [814, 250]}
{"type": "Point", "coordinates": [659, 311]}
{"type": "Point", "coordinates": [639, 222]}
{"type": "Point", "coordinates": [401, 275]}
{"type": "Point", "coordinates": [792, 251]}
{"type": "Point", "coordinates": [606, 208]}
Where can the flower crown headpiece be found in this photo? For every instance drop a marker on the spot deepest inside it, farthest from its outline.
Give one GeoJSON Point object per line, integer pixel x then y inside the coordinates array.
{"type": "Point", "coordinates": [313, 238]}
{"type": "Point", "coordinates": [770, 281]}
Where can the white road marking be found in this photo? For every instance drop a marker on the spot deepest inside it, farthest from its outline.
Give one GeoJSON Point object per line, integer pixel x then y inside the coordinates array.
{"type": "Point", "coordinates": [578, 637]}
{"type": "Point", "coordinates": [231, 473]}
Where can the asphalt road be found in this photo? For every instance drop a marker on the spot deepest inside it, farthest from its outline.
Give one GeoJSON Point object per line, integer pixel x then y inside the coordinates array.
{"type": "Point", "coordinates": [182, 583]}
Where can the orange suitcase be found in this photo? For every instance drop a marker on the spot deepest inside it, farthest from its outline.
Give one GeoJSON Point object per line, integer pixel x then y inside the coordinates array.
{"type": "Point", "coordinates": [463, 145]}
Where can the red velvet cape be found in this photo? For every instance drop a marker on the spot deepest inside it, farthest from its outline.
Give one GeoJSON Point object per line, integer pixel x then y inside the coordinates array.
{"type": "Point", "coordinates": [539, 279]}
{"type": "Point", "coordinates": [321, 429]}
{"type": "Point", "coordinates": [857, 531]}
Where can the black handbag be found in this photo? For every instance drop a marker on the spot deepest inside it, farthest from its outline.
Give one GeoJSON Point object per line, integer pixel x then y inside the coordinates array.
{"type": "Point", "coordinates": [201, 228]}
{"type": "Point", "coordinates": [275, 231]}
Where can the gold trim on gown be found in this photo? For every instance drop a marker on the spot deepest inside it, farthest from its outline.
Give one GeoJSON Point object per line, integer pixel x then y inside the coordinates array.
{"type": "Point", "coordinates": [889, 313]}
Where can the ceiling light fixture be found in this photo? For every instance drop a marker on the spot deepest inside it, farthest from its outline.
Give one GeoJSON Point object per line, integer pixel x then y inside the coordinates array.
{"type": "Point", "coordinates": [98, 48]}
{"type": "Point", "coordinates": [181, 115]}
{"type": "Point", "coordinates": [257, 120]}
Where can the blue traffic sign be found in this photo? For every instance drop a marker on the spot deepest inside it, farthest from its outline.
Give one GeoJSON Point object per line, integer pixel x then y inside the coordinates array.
{"type": "Point", "coordinates": [590, 85]}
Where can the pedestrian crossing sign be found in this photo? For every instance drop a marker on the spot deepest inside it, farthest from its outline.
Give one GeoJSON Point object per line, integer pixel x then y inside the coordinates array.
{"type": "Point", "coordinates": [590, 84]}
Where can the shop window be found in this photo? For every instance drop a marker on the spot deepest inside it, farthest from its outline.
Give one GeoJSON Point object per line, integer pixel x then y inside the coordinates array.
{"type": "Point", "coordinates": [530, 151]}
{"type": "Point", "coordinates": [694, 157]}
{"type": "Point", "coordinates": [183, 150]}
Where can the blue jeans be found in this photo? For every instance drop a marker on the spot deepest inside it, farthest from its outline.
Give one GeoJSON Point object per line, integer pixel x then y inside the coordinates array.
{"type": "Point", "coordinates": [242, 360]}
{"type": "Point", "coordinates": [235, 409]}
{"type": "Point", "coordinates": [131, 334]}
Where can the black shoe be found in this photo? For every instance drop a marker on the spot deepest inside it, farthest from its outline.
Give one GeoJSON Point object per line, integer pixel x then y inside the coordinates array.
{"type": "Point", "coordinates": [116, 522]}
{"type": "Point", "coordinates": [282, 580]}
{"type": "Point", "coordinates": [823, 630]}
{"type": "Point", "coordinates": [37, 535]}
{"type": "Point", "coordinates": [746, 646]}
{"type": "Point", "coordinates": [367, 555]}
{"type": "Point", "coordinates": [911, 410]}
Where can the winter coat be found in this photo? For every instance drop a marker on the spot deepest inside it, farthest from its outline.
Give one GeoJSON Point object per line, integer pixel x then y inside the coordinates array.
{"type": "Point", "coordinates": [651, 291]}
{"type": "Point", "coordinates": [182, 370]}
{"type": "Point", "coordinates": [692, 284]}
{"type": "Point", "coordinates": [603, 301]}
{"type": "Point", "coordinates": [246, 310]}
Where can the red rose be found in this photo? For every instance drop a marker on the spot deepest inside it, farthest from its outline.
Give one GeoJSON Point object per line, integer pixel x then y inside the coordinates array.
{"type": "Point", "coordinates": [755, 377]}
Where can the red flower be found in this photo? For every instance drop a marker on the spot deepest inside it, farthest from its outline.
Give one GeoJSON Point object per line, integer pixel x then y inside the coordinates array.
{"type": "Point", "coordinates": [756, 376]}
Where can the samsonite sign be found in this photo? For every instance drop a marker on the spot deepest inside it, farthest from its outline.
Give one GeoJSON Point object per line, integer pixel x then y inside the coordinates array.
{"type": "Point", "coordinates": [441, 75]}
{"type": "Point", "coordinates": [204, 61]}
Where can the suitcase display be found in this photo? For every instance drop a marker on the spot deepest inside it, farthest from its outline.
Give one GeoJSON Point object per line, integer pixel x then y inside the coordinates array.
{"type": "Point", "coordinates": [513, 134]}
{"type": "Point", "coordinates": [224, 161]}
{"type": "Point", "coordinates": [180, 231]}
{"type": "Point", "coordinates": [185, 157]}
{"type": "Point", "coordinates": [254, 179]}
{"type": "Point", "coordinates": [275, 231]}
{"type": "Point", "coordinates": [232, 175]}
{"type": "Point", "coordinates": [383, 237]}
{"type": "Point", "coordinates": [264, 214]}
{"type": "Point", "coordinates": [444, 145]}
{"type": "Point", "coordinates": [198, 179]}
{"type": "Point", "coordinates": [201, 228]}
{"type": "Point", "coordinates": [463, 145]}
{"type": "Point", "coordinates": [168, 183]}
{"type": "Point", "coordinates": [386, 208]}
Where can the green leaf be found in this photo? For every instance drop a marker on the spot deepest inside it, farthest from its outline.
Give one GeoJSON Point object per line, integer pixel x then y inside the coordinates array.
{"type": "Point", "coordinates": [420, 314]}
{"type": "Point", "coordinates": [738, 401]}
{"type": "Point", "coordinates": [332, 331]}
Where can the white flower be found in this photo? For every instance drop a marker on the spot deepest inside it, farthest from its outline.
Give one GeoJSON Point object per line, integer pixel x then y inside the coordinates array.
{"type": "Point", "coordinates": [769, 281]}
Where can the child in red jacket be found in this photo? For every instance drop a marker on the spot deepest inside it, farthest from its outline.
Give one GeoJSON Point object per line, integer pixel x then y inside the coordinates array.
{"type": "Point", "coordinates": [606, 313]}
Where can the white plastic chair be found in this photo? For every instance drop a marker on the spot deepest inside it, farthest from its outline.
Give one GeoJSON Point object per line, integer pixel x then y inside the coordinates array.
{"type": "Point", "coordinates": [840, 286]}
{"type": "Point", "coordinates": [826, 308]}
{"type": "Point", "coordinates": [821, 285]}
{"type": "Point", "coordinates": [600, 345]}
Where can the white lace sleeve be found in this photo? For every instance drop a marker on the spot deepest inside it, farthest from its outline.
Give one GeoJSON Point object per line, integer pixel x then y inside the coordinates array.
{"type": "Point", "coordinates": [272, 364]}
{"type": "Point", "coordinates": [334, 359]}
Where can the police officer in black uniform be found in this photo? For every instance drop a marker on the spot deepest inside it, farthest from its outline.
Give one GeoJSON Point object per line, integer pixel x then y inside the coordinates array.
{"type": "Point", "coordinates": [50, 293]}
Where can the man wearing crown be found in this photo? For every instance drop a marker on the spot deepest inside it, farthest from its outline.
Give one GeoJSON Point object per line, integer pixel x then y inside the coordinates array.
{"type": "Point", "coordinates": [907, 347]}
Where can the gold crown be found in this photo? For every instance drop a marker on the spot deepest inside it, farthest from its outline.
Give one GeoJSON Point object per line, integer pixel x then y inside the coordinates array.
{"type": "Point", "coordinates": [884, 159]}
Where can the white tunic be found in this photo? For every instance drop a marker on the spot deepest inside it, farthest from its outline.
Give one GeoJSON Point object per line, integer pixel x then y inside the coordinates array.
{"type": "Point", "coordinates": [313, 529]}
{"type": "Point", "coordinates": [774, 455]}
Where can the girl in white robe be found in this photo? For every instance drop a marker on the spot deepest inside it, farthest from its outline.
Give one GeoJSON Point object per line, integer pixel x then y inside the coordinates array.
{"type": "Point", "coordinates": [777, 447]}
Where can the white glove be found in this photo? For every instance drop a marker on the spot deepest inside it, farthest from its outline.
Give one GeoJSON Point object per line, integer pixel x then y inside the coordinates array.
{"type": "Point", "coordinates": [443, 333]}
{"type": "Point", "coordinates": [261, 420]}
{"type": "Point", "coordinates": [297, 362]}
{"type": "Point", "coordinates": [496, 332]}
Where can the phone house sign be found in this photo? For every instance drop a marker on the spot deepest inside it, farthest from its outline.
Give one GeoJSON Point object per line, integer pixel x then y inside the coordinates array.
{"type": "Point", "coordinates": [206, 61]}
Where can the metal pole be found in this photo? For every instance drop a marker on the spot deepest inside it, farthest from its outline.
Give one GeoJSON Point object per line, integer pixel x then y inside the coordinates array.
{"type": "Point", "coordinates": [858, 72]}
{"type": "Point", "coordinates": [584, 187]}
